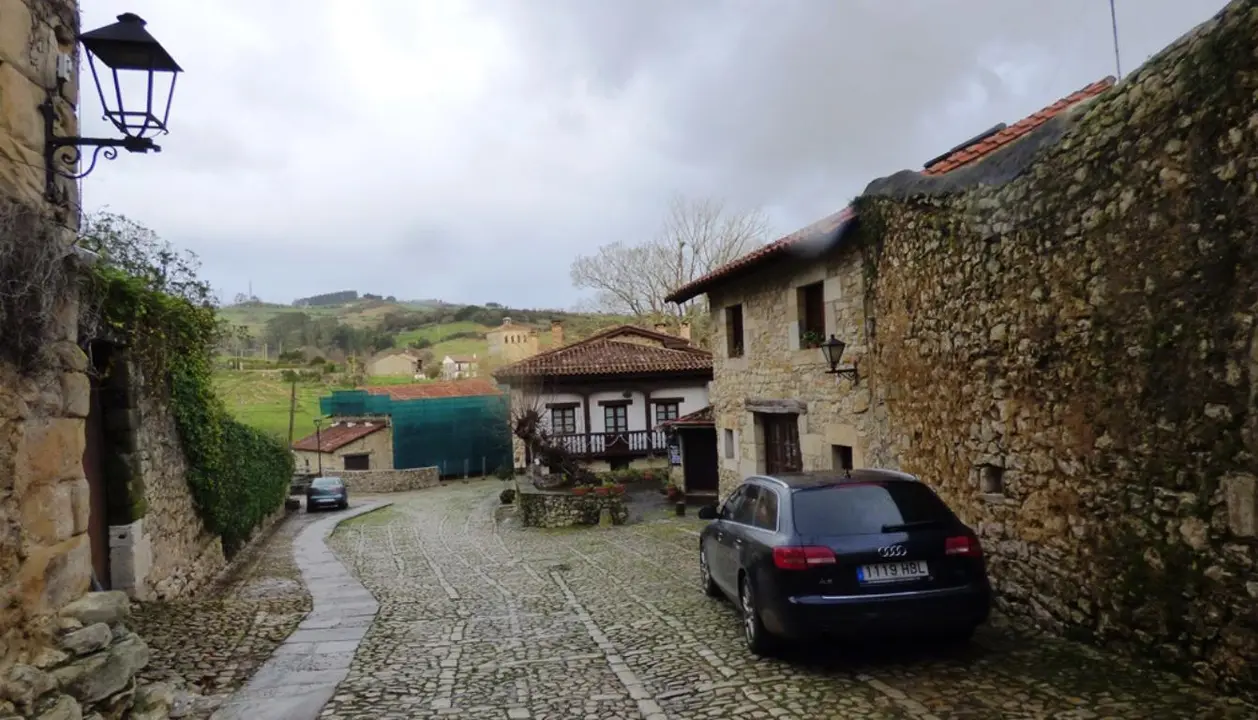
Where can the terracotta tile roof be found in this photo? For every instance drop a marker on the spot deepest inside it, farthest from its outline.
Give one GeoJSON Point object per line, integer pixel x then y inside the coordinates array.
{"type": "Point", "coordinates": [439, 389]}
{"type": "Point", "coordinates": [337, 436]}
{"type": "Point", "coordinates": [834, 224]}
{"type": "Point", "coordinates": [604, 354]}
{"type": "Point", "coordinates": [699, 418]}
{"type": "Point", "coordinates": [988, 145]}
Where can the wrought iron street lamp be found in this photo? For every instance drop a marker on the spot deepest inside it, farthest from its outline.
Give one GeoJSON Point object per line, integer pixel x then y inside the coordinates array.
{"type": "Point", "coordinates": [833, 351]}
{"type": "Point", "coordinates": [125, 50]}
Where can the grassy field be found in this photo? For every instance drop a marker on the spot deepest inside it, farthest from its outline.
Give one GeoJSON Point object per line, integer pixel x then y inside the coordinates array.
{"type": "Point", "coordinates": [260, 399]}
{"type": "Point", "coordinates": [459, 346]}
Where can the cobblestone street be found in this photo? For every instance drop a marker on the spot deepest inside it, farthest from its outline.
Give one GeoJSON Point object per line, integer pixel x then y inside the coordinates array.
{"type": "Point", "coordinates": [210, 644]}
{"type": "Point", "coordinates": [482, 619]}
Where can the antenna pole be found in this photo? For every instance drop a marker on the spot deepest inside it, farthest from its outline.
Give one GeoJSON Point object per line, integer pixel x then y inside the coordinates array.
{"type": "Point", "coordinates": [1118, 63]}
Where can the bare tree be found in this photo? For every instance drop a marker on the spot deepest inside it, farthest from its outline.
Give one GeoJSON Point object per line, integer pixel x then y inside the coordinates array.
{"type": "Point", "coordinates": [697, 237]}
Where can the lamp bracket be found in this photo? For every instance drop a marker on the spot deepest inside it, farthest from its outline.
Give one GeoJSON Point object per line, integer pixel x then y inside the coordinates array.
{"type": "Point", "coordinates": [63, 153]}
{"type": "Point", "coordinates": [845, 372]}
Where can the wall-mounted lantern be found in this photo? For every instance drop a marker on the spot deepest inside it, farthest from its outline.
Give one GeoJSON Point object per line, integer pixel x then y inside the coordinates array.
{"type": "Point", "coordinates": [125, 50]}
{"type": "Point", "coordinates": [833, 351]}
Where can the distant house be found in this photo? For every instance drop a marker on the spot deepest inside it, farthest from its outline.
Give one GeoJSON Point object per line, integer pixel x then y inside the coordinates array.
{"type": "Point", "coordinates": [346, 444]}
{"type": "Point", "coordinates": [605, 398]}
{"type": "Point", "coordinates": [395, 361]}
{"type": "Point", "coordinates": [511, 342]}
{"type": "Point", "coordinates": [458, 367]}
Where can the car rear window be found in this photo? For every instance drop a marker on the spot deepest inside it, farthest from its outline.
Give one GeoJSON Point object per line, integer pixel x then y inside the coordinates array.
{"type": "Point", "coordinates": [326, 482]}
{"type": "Point", "coordinates": [864, 508]}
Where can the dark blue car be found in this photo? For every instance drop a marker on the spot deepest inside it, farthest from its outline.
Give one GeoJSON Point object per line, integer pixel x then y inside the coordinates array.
{"type": "Point", "coordinates": [326, 492]}
{"type": "Point", "coordinates": [860, 552]}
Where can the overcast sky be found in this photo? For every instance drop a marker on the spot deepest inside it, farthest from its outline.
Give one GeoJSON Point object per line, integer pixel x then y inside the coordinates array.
{"type": "Point", "coordinates": [468, 150]}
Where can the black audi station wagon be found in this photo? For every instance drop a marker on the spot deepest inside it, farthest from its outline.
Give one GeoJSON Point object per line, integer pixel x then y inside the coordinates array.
{"type": "Point", "coordinates": [859, 552]}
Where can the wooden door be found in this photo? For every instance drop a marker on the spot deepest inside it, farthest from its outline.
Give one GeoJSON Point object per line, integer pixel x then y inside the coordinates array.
{"type": "Point", "coordinates": [698, 457]}
{"type": "Point", "coordinates": [781, 443]}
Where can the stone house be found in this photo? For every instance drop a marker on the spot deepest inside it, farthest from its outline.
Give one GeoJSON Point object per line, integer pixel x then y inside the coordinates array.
{"type": "Point", "coordinates": [459, 367]}
{"type": "Point", "coordinates": [45, 501]}
{"type": "Point", "coordinates": [605, 398]}
{"type": "Point", "coordinates": [395, 362]}
{"type": "Point", "coordinates": [66, 527]}
{"type": "Point", "coordinates": [346, 444]}
{"type": "Point", "coordinates": [511, 342]}
{"type": "Point", "coordinates": [775, 407]}
{"type": "Point", "coordinates": [1054, 326]}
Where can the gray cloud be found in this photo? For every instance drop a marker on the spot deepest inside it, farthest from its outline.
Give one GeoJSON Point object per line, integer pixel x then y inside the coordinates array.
{"type": "Point", "coordinates": [469, 150]}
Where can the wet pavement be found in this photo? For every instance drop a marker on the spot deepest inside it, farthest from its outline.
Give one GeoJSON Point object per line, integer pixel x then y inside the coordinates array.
{"type": "Point", "coordinates": [303, 672]}
{"type": "Point", "coordinates": [206, 646]}
{"type": "Point", "coordinates": [479, 618]}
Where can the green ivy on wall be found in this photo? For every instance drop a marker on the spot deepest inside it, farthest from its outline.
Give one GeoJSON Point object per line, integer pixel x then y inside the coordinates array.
{"type": "Point", "coordinates": [147, 299]}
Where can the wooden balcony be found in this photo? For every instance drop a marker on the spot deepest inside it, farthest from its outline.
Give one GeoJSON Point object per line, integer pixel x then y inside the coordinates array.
{"type": "Point", "coordinates": [630, 444]}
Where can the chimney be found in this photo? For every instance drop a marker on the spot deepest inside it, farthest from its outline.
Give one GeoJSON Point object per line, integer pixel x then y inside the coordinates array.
{"type": "Point", "coordinates": [661, 328]}
{"type": "Point", "coordinates": [684, 331]}
{"type": "Point", "coordinates": [556, 333]}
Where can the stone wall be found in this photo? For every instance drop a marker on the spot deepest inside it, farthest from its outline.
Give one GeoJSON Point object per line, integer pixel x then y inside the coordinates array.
{"type": "Point", "coordinates": [87, 671]}
{"type": "Point", "coordinates": [554, 509]}
{"type": "Point", "coordinates": [45, 555]}
{"type": "Point", "coordinates": [389, 481]}
{"type": "Point", "coordinates": [1075, 357]}
{"type": "Point", "coordinates": [1065, 345]}
{"type": "Point", "coordinates": [185, 556]}
{"type": "Point", "coordinates": [159, 548]}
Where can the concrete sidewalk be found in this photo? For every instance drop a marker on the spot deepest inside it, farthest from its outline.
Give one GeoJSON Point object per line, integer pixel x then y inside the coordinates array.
{"type": "Point", "coordinates": [302, 674]}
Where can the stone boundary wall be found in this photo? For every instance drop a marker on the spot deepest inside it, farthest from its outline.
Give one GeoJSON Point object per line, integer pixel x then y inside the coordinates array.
{"type": "Point", "coordinates": [389, 481]}
{"type": "Point", "coordinates": [159, 546]}
{"type": "Point", "coordinates": [1071, 358]}
{"type": "Point", "coordinates": [555, 509]}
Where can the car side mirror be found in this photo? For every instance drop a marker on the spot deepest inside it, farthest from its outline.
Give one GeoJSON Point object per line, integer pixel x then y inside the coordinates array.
{"type": "Point", "coordinates": [708, 512]}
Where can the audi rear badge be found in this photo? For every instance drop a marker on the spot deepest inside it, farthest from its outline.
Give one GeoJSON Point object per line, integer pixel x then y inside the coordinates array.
{"type": "Point", "coordinates": [893, 551]}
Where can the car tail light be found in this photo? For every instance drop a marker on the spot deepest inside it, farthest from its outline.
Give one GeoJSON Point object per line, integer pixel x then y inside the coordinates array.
{"type": "Point", "coordinates": [802, 558]}
{"type": "Point", "coordinates": [963, 545]}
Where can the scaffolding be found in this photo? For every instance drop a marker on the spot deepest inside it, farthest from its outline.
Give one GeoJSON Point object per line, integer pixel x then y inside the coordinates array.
{"type": "Point", "coordinates": [461, 436]}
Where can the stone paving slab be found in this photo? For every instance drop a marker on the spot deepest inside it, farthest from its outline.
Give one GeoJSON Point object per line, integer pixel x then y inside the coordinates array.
{"type": "Point", "coordinates": [302, 674]}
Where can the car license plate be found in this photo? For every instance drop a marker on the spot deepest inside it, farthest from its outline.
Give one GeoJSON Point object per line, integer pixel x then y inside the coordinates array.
{"type": "Point", "coordinates": [893, 572]}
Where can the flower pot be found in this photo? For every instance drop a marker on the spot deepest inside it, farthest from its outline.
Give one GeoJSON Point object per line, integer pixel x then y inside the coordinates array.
{"type": "Point", "coordinates": [618, 490]}
{"type": "Point", "coordinates": [580, 490]}
{"type": "Point", "coordinates": [601, 490]}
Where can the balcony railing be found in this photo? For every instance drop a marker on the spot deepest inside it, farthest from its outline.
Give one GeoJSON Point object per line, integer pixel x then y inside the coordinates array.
{"type": "Point", "coordinates": [631, 443]}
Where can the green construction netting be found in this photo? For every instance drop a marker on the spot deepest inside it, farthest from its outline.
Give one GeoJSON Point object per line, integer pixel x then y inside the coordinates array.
{"type": "Point", "coordinates": [459, 435]}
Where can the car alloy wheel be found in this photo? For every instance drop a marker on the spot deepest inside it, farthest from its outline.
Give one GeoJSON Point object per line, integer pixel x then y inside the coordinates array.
{"type": "Point", "coordinates": [749, 614]}
{"type": "Point", "coordinates": [705, 575]}
{"type": "Point", "coordinates": [759, 642]}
